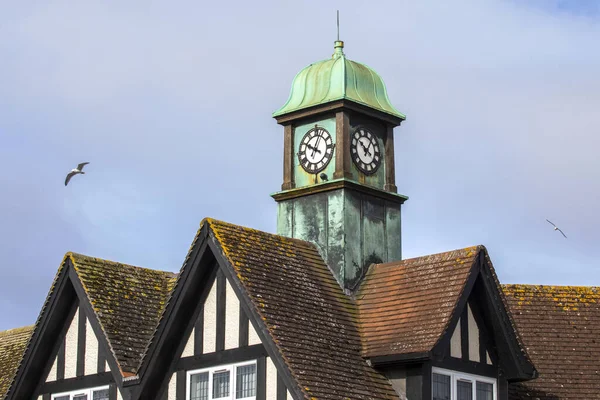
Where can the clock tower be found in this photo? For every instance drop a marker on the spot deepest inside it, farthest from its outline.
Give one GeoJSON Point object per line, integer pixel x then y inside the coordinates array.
{"type": "Point", "coordinates": [339, 187]}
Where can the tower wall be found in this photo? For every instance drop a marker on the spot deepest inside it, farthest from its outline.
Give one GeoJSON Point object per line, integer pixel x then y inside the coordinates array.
{"type": "Point", "coordinates": [351, 229]}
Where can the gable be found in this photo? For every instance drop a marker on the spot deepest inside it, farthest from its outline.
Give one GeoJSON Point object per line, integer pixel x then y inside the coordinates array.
{"type": "Point", "coordinates": [222, 323]}
{"type": "Point", "coordinates": [439, 307]}
{"type": "Point", "coordinates": [470, 340]}
{"type": "Point", "coordinates": [80, 337]}
{"type": "Point", "coordinates": [223, 335]}
{"type": "Point", "coordinates": [79, 353]}
{"type": "Point", "coordinates": [482, 333]}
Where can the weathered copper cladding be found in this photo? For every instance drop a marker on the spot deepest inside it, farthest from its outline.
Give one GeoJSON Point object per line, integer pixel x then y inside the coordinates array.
{"type": "Point", "coordinates": [405, 306]}
{"type": "Point", "coordinates": [12, 346]}
{"type": "Point", "coordinates": [338, 78]}
{"type": "Point", "coordinates": [560, 326]}
{"type": "Point", "coordinates": [310, 319]}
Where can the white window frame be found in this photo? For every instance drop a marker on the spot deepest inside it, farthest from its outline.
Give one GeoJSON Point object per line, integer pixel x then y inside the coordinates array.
{"type": "Point", "coordinates": [89, 392]}
{"type": "Point", "coordinates": [456, 376]}
{"type": "Point", "coordinates": [232, 368]}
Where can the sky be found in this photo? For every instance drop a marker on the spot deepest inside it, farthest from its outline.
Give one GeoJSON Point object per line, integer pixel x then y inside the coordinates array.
{"type": "Point", "coordinates": [171, 104]}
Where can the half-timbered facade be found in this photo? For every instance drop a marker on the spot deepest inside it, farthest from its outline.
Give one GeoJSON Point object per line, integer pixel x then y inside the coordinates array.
{"type": "Point", "coordinates": [324, 309]}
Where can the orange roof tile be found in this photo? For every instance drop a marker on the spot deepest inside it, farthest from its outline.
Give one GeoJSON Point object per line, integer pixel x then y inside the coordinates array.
{"type": "Point", "coordinates": [405, 306]}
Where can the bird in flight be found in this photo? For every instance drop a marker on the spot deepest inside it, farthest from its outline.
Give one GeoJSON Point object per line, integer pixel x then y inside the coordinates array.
{"type": "Point", "coordinates": [75, 171]}
{"type": "Point", "coordinates": [556, 228]}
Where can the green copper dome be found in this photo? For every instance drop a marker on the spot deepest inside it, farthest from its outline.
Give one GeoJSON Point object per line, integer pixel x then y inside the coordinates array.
{"type": "Point", "coordinates": [336, 79]}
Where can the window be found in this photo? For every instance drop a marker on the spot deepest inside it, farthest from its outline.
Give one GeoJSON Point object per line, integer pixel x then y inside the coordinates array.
{"type": "Point", "coordinates": [228, 382]}
{"type": "Point", "coordinates": [99, 393]}
{"type": "Point", "coordinates": [453, 385]}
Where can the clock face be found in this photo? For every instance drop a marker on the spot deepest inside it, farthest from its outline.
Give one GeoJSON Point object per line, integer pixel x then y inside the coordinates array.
{"type": "Point", "coordinates": [316, 150]}
{"type": "Point", "coordinates": [366, 153]}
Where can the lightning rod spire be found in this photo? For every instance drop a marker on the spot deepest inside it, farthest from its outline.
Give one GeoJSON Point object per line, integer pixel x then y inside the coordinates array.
{"type": "Point", "coordinates": [338, 25]}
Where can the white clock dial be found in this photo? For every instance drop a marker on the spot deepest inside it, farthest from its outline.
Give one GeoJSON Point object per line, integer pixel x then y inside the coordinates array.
{"type": "Point", "coordinates": [316, 150]}
{"type": "Point", "coordinates": [365, 150]}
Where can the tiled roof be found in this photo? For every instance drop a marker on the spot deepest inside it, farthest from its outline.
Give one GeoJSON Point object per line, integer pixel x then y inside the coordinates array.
{"type": "Point", "coordinates": [560, 326]}
{"type": "Point", "coordinates": [306, 313]}
{"type": "Point", "coordinates": [406, 306]}
{"type": "Point", "coordinates": [12, 346]}
{"type": "Point", "coordinates": [128, 302]}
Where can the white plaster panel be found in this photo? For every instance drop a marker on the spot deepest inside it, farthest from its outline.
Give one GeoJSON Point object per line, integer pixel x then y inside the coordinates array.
{"type": "Point", "coordinates": [188, 350]}
{"type": "Point", "coordinates": [473, 336]}
{"type": "Point", "coordinates": [91, 350]}
{"type": "Point", "coordinates": [252, 335]}
{"type": "Point", "coordinates": [271, 380]}
{"type": "Point", "coordinates": [39, 398]}
{"type": "Point", "coordinates": [119, 396]}
{"type": "Point", "coordinates": [289, 396]}
{"type": "Point", "coordinates": [455, 348]}
{"type": "Point", "coordinates": [71, 347]}
{"type": "Point", "coordinates": [172, 388]}
{"type": "Point", "coordinates": [487, 358]}
{"type": "Point", "coordinates": [52, 374]}
{"type": "Point", "coordinates": [210, 320]}
{"type": "Point", "coordinates": [232, 318]}
{"type": "Point", "coordinates": [106, 367]}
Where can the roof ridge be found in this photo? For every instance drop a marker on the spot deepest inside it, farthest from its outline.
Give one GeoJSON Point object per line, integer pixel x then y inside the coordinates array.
{"type": "Point", "coordinates": [548, 286]}
{"type": "Point", "coordinates": [74, 256]}
{"type": "Point", "coordinates": [475, 250]}
{"type": "Point", "coordinates": [213, 222]}
{"type": "Point", "coordinates": [20, 329]}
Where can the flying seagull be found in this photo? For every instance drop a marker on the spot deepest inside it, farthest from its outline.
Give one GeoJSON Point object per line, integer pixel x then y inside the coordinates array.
{"type": "Point", "coordinates": [556, 228]}
{"type": "Point", "coordinates": [75, 171]}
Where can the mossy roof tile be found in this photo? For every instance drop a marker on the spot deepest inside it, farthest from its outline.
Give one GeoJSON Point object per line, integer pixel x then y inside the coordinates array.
{"type": "Point", "coordinates": [13, 343]}
{"type": "Point", "coordinates": [560, 327]}
{"type": "Point", "coordinates": [128, 302]}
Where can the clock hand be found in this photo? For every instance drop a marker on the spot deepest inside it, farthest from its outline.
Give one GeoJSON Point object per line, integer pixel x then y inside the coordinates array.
{"type": "Point", "coordinates": [313, 149]}
{"type": "Point", "coordinates": [319, 134]}
{"type": "Point", "coordinates": [365, 149]}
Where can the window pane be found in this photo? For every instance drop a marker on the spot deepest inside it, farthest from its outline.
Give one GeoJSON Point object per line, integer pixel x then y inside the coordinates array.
{"type": "Point", "coordinates": [100, 394]}
{"type": "Point", "coordinates": [464, 390]}
{"type": "Point", "coordinates": [66, 397]}
{"type": "Point", "coordinates": [441, 387]}
{"type": "Point", "coordinates": [199, 386]}
{"type": "Point", "coordinates": [220, 384]}
{"type": "Point", "coordinates": [245, 385]}
{"type": "Point", "coordinates": [485, 391]}
{"type": "Point", "coordinates": [80, 397]}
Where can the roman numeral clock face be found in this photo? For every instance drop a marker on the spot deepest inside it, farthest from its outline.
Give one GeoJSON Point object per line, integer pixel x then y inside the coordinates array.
{"type": "Point", "coordinates": [365, 151]}
{"type": "Point", "coordinates": [316, 150]}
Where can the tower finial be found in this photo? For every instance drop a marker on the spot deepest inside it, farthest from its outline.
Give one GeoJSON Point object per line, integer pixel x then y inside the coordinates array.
{"type": "Point", "coordinates": [338, 25]}
{"type": "Point", "coordinates": [338, 45]}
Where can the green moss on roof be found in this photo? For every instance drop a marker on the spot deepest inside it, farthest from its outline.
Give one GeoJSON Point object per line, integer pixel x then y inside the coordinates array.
{"type": "Point", "coordinates": [128, 302]}
{"type": "Point", "coordinates": [13, 343]}
{"type": "Point", "coordinates": [338, 78]}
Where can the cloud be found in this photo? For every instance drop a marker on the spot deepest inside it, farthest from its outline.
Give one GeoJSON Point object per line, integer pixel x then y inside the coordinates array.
{"type": "Point", "coordinates": [171, 104]}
